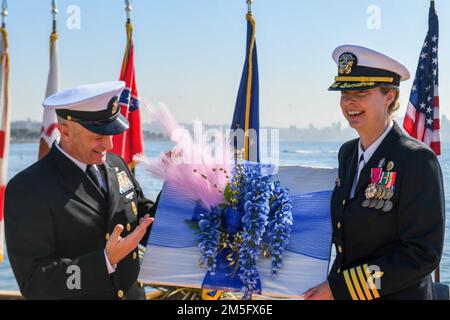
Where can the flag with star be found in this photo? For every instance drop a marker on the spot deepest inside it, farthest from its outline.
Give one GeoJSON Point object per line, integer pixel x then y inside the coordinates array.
{"type": "Point", "coordinates": [246, 112]}
{"type": "Point", "coordinates": [422, 115]}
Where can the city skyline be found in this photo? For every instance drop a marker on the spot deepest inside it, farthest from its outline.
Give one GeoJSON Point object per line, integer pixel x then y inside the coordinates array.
{"type": "Point", "coordinates": [336, 131]}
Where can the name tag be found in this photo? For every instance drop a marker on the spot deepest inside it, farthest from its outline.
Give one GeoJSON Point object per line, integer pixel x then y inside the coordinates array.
{"type": "Point", "coordinates": [125, 183]}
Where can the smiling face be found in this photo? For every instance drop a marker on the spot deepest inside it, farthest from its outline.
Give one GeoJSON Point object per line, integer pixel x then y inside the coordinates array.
{"type": "Point", "coordinates": [367, 110]}
{"type": "Point", "coordinates": [82, 144]}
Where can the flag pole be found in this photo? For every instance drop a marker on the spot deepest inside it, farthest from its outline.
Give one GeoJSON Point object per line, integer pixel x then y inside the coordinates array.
{"type": "Point", "coordinates": [5, 118]}
{"type": "Point", "coordinates": [128, 9]}
{"type": "Point", "coordinates": [437, 271]}
{"type": "Point", "coordinates": [249, 4]}
{"type": "Point", "coordinates": [49, 129]}
{"type": "Point", "coordinates": [54, 14]}
{"type": "Point", "coordinates": [4, 12]}
{"type": "Point", "coordinates": [129, 27]}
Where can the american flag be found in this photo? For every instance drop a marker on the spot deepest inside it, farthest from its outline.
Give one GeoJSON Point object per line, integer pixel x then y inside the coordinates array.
{"type": "Point", "coordinates": [422, 116]}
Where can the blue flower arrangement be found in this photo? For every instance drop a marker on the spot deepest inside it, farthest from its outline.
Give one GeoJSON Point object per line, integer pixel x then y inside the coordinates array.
{"type": "Point", "coordinates": [256, 221]}
{"type": "Point", "coordinates": [209, 224]}
{"type": "Point", "coordinates": [279, 225]}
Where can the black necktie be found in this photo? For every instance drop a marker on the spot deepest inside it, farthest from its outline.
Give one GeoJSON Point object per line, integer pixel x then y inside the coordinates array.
{"type": "Point", "coordinates": [357, 175]}
{"type": "Point", "coordinates": [93, 173]}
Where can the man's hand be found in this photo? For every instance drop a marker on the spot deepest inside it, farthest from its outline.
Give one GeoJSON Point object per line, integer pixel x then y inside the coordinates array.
{"type": "Point", "coordinates": [118, 248]}
{"type": "Point", "coordinates": [320, 292]}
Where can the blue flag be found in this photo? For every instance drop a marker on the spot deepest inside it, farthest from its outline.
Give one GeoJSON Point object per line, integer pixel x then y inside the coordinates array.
{"type": "Point", "coordinates": [246, 112]}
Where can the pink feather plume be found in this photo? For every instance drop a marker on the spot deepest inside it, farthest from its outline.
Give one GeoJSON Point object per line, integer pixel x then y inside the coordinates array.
{"type": "Point", "coordinates": [191, 166]}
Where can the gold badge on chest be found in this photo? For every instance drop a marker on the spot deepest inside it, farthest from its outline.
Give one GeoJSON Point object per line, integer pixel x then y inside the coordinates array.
{"type": "Point", "coordinates": [134, 208]}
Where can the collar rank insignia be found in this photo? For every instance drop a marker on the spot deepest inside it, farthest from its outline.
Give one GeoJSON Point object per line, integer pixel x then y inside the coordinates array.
{"type": "Point", "coordinates": [346, 63]}
{"type": "Point", "coordinates": [125, 183]}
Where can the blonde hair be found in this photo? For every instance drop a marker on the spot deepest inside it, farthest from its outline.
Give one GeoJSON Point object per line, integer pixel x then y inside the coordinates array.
{"type": "Point", "coordinates": [395, 105]}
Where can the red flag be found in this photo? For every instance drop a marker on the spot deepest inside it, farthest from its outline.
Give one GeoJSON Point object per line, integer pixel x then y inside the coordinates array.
{"type": "Point", "coordinates": [131, 142]}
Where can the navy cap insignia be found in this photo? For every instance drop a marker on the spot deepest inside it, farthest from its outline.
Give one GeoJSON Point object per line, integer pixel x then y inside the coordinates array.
{"type": "Point", "coordinates": [346, 62]}
{"type": "Point", "coordinates": [115, 106]}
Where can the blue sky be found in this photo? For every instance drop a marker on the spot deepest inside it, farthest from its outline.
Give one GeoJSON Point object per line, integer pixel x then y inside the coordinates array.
{"type": "Point", "coordinates": [190, 53]}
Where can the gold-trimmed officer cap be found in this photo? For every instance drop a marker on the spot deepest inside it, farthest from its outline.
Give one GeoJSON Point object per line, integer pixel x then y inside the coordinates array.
{"type": "Point", "coordinates": [94, 106]}
{"type": "Point", "coordinates": [361, 68]}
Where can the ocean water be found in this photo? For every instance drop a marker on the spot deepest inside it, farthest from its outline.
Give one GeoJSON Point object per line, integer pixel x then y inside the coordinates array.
{"type": "Point", "coordinates": [316, 154]}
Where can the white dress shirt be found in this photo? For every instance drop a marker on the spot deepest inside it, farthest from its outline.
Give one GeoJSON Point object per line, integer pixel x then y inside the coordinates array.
{"type": "Point", "coordinates": [83, 167]}
{"type": "Point", "coordinates": [365, 155]}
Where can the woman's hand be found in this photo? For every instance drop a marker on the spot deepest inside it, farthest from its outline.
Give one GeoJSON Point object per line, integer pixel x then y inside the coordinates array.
{"type": "Point", "coordinates": [320, 292]}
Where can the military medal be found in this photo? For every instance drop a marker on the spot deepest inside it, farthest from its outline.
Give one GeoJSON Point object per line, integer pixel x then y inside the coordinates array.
{"type": "Point", "coordinates": [373, 203]}
{"type": "Point", "coordinates": [388, 206]}
{"type": "Point", "coordinates": [389, 194]}
{"type": "Point", "coordinates": [381, 188]}
{"type": "Point", "coordinates": [383, 194]}
{"type": "Point", "coordinates": [380, 204]}
{"type": "Point", "coordinates": [390, 185]}
{"type": "Point", "coordinates": [372, 189]}
{"type": "Point", "coordinates": [366, 203]}
{"type": "Point", "coordinates": [379, 191]}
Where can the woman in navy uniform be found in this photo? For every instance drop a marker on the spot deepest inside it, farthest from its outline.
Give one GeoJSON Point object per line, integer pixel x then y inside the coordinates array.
{"type": "Point", "coordinates": [74, 218]}
{"type": "Point", "coordinates": [388, 204]}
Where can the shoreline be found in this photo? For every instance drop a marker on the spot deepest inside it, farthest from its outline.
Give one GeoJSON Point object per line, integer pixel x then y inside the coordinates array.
{"type": "Point", "coordinates": [23, 141]}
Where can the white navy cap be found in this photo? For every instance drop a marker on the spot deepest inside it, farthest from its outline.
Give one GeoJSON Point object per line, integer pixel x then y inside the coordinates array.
{"type": "Point", "coordinates": [361, 68]}
{"type": "Point", "coordinates": [94, 106]}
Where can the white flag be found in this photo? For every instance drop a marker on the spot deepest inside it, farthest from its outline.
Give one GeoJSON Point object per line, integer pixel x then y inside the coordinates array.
{"type": "Point", "coordinates": [49, 130]}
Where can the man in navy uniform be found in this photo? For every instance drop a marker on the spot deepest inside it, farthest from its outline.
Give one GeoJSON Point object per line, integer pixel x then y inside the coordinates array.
{"type": "Point", "coordinates": [74, 219]}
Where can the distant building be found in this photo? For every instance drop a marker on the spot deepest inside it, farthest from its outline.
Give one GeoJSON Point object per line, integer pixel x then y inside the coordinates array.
{"type": "Point", "coordinates": [28, 130]}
